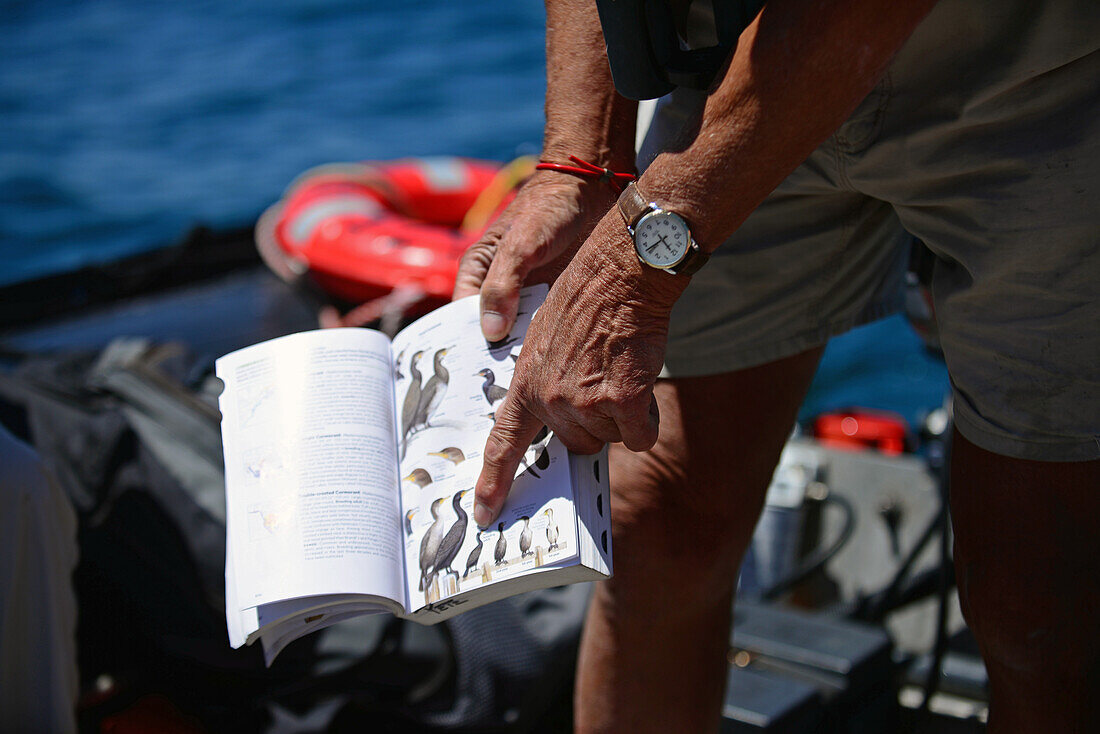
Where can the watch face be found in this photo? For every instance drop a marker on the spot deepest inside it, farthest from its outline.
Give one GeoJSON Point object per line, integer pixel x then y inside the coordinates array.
{"type": "Point", "coordinates": [662, 239]}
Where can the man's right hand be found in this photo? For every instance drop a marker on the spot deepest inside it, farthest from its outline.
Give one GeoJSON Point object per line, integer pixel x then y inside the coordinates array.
{"type": "Point", "coordinates": [532, 241]}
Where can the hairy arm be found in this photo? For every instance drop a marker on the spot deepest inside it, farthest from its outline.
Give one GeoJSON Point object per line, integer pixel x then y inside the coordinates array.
{"type": "Point", "coordinates": [798, 72]}
{"type": "Point", "coordinates": [592, 355]}
{"type": "Point", "coordinates": [554, 212]}
{"type": "Point", "coordinates": [585, 116]}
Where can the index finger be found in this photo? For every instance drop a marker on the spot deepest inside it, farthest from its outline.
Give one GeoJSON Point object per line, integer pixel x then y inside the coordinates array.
{"type": "Point", "coordinates": [512, 433]}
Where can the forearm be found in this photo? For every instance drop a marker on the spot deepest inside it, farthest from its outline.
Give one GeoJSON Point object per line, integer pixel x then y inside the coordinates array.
{"type": "Point", "coordinates": [585, 117]}
{"type": "Point", "coordinates": [798, 72]}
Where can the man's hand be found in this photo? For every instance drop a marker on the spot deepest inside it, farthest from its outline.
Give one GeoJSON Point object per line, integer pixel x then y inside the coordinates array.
{"type": "Point", "coordinates": [532, 241]}
{"type": "Point", "coordinates": [588, 364]}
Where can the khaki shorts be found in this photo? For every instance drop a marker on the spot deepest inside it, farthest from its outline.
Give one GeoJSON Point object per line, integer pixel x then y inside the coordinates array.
{"type": "Point", "coordinates": [983, 140]}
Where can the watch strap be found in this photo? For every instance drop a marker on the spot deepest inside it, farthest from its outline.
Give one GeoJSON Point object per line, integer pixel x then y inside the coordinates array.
{"type": "Point", "coordinates": [632, 205]}
{"type": "Point", "coordinates": [692, 262]}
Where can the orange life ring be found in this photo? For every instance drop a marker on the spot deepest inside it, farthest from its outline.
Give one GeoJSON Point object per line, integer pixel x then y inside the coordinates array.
{"type": "Point", "coordinates": [362, 230]}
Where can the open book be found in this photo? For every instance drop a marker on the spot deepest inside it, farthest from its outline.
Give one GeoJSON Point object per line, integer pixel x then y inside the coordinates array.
{"type": "Point", "coordinates": [350, 463]}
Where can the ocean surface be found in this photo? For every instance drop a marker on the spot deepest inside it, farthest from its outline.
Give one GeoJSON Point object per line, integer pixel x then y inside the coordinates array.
{"type": "Point", "coordinates": [124, 123]}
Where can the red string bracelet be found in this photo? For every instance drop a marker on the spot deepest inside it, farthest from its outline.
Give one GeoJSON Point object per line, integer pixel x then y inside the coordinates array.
{"type": "Point", "coordinates": [584, 169]}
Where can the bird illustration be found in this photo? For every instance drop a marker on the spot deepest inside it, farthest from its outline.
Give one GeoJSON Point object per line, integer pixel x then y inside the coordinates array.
{"type": "Point", "coordinates": [452, 541]}
{"type": "Point", "coordinates": [409, 520]}
{"type": "Point", "coordinates": [452, 454]}
{"type": "Point", "coordinates": [493, 392]}
{"type": "Point", "coordinates": [474, 557]}
{"type": "Point", "coordinates": [536, 453]}
{"type": "Point", "coordinates": [430, 543]}
{"type": "Point", "coordinates": [551, 529]}
{"type": "Point", "coordinates": [543, 460]}
{"type": "Point", "coordinates": [419, 477]}
{"type": "Point", "coordinates": [502, 545]}
{"type": "Point", "coordinates": [502, 344]}
{"type": "Point", "coordinates": [397, 365]}
{"type": "Point", "coordinates": [412, 401]}
{"type": "Point", "coordinates": [433, 391]}
{"type": "Point", "coordinates": [525, 537]}
{"type": "Point", "coordinates": [271, 521]}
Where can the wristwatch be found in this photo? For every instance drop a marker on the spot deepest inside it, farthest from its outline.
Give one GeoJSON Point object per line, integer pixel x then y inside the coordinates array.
{"type": "Point", "coordinates": [662, 239]}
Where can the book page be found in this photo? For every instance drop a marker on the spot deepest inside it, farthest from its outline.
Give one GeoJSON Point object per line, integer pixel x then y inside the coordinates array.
{"type": "Point", "coordinates": [449, 385]}
{"type": "Point", "coordinates": [311, 471]}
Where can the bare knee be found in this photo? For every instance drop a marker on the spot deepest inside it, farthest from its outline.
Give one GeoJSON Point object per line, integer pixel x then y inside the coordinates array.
{"type": "Point", "coordinates": [677, 530]}
{"type": "Point", "coordinates": [684, 511]}
{"type": "Point", "coordinates": [1027, 558]}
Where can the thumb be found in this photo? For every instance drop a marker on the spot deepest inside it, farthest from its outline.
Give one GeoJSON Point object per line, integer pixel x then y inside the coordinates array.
{"type": "Point", "coordinates": [512, 433]}
{"type": "Point", "coordinates": [500, 294]}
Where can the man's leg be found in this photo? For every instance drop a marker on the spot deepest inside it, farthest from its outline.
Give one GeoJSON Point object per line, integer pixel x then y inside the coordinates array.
{"type": "Point", "coordinates": [653, 651]}
{"type": "Point", "coordinates": [1027, 558]}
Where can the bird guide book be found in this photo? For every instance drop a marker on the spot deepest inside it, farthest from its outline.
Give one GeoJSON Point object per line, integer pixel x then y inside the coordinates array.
{"type": "Point", "coordinates": [350, 463]}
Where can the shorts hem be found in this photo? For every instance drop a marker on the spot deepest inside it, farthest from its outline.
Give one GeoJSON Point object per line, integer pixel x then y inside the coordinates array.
{"type": "Point", "coordinates": [1053, 449]}
{"type": "Point", "coordinates": [734, 358]}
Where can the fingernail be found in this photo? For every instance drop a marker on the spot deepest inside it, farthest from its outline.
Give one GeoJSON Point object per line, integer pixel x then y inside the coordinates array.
{"type": "Point", "coordinates": [493, 325]}
{"type": "Point", "coordinates": [482, 515]}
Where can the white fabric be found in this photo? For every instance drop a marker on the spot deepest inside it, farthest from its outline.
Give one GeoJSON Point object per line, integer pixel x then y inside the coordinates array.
{"type": "Point", "coordinates": [38, 674]}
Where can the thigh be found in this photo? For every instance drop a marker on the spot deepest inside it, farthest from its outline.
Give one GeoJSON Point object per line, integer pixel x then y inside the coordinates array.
{"type": "Point", "coordinates": [997, 169]}
{"type": "Point", "coordinates": [691, 502]}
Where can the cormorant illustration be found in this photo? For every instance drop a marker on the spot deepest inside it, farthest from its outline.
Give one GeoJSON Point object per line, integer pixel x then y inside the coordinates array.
{"type": "Point", "coordinates": [430, 543]}
{"type": "Point", "coordinates": [397, 366]}
{"type": "Point", "coordinates": [551, 529]}
{"type": "Point", "coordinates": [419, 477]}
{"type": "Point", "coordinates": [452, 454]}
{"type": "Point", "coordinates": [502, 545]}
{"type": "Point", "coordinates": [536, 454]}
{"type": "Point", "coordinates": [493, 392]}
{"type": "Point", "coordinates": [452, 541]}
{"type": "Point", "coordinates": [412, 401]}
{"type": "Point", "coordinates": [525, 537]}
{"type": "Point", "coordinates": [433, 391]}
{"type": "Point", "coordinates": [409, 520]}
{"type": "Point", "coordinates": [504, 343]}
{"type": "Point", "coordinates": [474, 557]}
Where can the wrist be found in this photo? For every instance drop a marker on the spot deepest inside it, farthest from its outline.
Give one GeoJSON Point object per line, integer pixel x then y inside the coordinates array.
{"type": "Point", "coordinates": [581, 168]}
{"type": "Point", "coordinates": [685, 199]}
{"type": "Point", "coordinates": [612, 157]}
{"type": "Point", "coordinates": [614, 264]}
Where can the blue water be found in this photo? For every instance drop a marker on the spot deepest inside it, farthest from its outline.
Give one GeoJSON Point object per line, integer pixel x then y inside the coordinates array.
{"type": "Point", "coordinates": [123, 123]}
